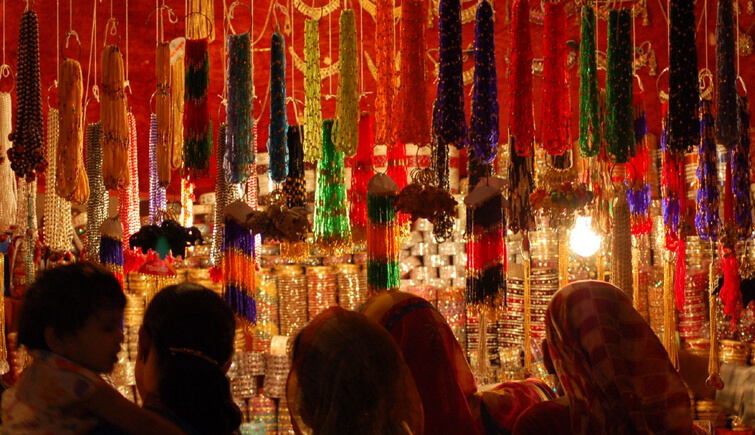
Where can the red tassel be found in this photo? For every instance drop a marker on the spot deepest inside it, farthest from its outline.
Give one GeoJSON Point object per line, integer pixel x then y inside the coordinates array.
{"type": "Point", "coordinates": [680, 279]}
{"type": "Point", "coordinates": [361, 173]}
{"type": "Point", "coordinates": [397, 171]}
{"type": "Point", "coordinates": [556, 111]}
{"type": "Point", "coordinates": [731, 295]}
{"type": "Point", "coordinates": [216, 274]}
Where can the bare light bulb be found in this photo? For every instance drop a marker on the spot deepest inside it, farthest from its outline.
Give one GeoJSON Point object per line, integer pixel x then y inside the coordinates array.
{"type": "Point", "coordinates": [583, 240]}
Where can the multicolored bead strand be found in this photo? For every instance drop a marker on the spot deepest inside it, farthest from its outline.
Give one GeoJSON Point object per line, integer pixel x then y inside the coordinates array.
{"type": "Point", "coordinates": [196, 115]}
{"type": "Point", "coordinates": [238, 271]}
{"type": "Point", "coordinates": [128, 198]}
{"type": "Point", "coordinates": [239, 140]}
{"type": "Point", "coordinates": [707, 220]}
{"type": "Point", "coordinates": [383, 239]}
{"type": "Point", "coordinates": [157, 199]}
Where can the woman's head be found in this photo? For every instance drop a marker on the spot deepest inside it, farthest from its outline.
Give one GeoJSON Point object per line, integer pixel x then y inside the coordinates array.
{"type": "Point", "coordinates": [185, 346]}
{"type": "Point", "coordinates": [349, 377]}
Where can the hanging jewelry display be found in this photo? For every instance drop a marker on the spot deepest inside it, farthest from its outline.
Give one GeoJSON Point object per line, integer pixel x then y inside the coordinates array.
{"type": "Point", "coordinates": [621, 259]}
{"type": "Point", "coordinates": [295, 190]}
{"type": "Point", "coordinates": [225, 194]}
{"type": "Point", "coordinates": [619, 121]}
{"type": "Point", "coordinates": [486, 250]}
{"type": "Point", "coordinates": [128, 197]}
{"type": "Point", "coordinates": [707, 220]}
{"type": "Point", "coordinates": [424, 199]}
{"type": "Point", "coordinates": [413, 126]}
{"type": "Point", "coordinates": [332, 227]}
{"type": "Point", "coordinates": [97, 205]}
{"type": "Point", "coordinates": [196, 115]}
{"type": "Point", "coordinates": [483, 131]}
{"type": "Point", "coordinates": [638, 185]}
{"type": "Point", "coordinates": [164, 107]}
{"type": "Point", "coordinates": [157, 200]}
{"type": "Point", "coordinates": [25, 223]}
{"type": "Point", "coordinates": [27, 156]}
{"type": "Point", "coordinates": [727, 112]}
{"type": "Point", "coordinates": [187, 203]}
{"type": "Point", "coordinates": [740, 173]}
{"type": "Point", "coordinates": [276, 146]}
{"type": "Point", "coordinates": [239, 140]}
{"type": "Point", "coordinates": [346, 126]}
{"type": "Point", "coordinates": [71, 180]}
{"type": "Point", "coordinates": [7, 177]}
{"type": "Point", "coordinates": [590, 128]}
{"type": "Point", "coordinates": [449, 123]}
{"type": "Point", "coordinates": [200, 16]}
{"type": "Point", "coordinates": [521, 131]}
{"type": "Point", "coordinates": [684, 94]}
{"type": "Point", "coordinates": [386, 70]}
{"type": "Point", "coordinates": [397, 161]}
{"type": "Point", "coordinates": [115, 171]}
{"type": "Point", "coordinates": [443, 223]}
{"type": "Point", "coordinates": [521, 186]}
{"type": "Point", "coordinates": [58, 230]}
{"type": "Point", "coordinates": [383, 235]}
{"type": "Point", "coordinates": [361, 172]}
{"type": "Point", "coordinates": [177, 90]}
{"type": "Point", "coordinates": [555, 109]}
{"type": "Point", "coordinates": [238, 271]}
{"type": "Point", "coordinates": [312, 96]}
{"type": "Point", "coordinates": [111, 247]}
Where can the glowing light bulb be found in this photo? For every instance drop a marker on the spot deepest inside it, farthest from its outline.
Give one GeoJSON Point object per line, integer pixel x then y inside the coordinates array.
{"type": "Point", "coordinates": [583, 240]}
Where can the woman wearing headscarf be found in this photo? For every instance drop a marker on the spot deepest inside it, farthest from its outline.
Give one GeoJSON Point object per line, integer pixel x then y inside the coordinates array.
{"type": "Point", "coordinates": [444, 380]}
{"type": "Point", "coordinates": [616, 374]}
{"type": "Point", "coordinates": [348, 377]}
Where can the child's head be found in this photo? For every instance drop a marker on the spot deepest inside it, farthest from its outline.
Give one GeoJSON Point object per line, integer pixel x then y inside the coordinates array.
{"type": "Point", "coordinates": [76, 311]}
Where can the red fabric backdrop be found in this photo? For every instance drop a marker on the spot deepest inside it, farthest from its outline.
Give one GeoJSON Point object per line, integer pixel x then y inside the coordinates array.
{"type": "Point", "coordinates": [142, 69]}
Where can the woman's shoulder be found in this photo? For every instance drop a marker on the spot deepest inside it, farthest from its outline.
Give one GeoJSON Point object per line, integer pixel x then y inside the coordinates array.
{"type": "Point", "coordinates": [545, 418]}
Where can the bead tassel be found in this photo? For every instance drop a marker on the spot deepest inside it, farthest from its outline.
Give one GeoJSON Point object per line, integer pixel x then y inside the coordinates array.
{"type": "Point", "coordinates": [483, 132]}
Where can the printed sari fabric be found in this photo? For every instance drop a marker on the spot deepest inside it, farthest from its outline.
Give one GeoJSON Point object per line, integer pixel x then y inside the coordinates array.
{"type": "Point", "coordinates": [615, 372]}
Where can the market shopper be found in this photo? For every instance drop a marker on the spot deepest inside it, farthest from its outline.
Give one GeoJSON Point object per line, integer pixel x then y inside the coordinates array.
{"type": "Point", "coordinates": [71, 323]}
{"type": "Point", "coordinates": [616, 374]}
{"type": "Point", "coordinates": [348, 377]}
{"type": "Point", "coordinates": [450, 398]}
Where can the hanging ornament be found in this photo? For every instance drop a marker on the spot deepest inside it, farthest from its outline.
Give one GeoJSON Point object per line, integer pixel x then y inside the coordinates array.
{"type": "Point", "coordinates": [157, 200]}
{"type": "Point", "coordinates": [619, 118]}
{"type": "Point", "coordinates": [669, 313]}
{"type": "Point", "coordinates": [385, 63]}
{"type": "Point", "coordinates": [346, 126]}
{"type": "Point", "coordinates": [672, 169]}
{"type": "Point", "coordinates": [276, 146]}
{"type": "Point", "coordinates": [475, 170]}
{"type": "Point", "coordinates": [638, 185]}
{"type": "Point", "coordinates": [200, 16]}
{"type": "Point", "coordinates": [443, 223]}
{"type": "Point", "coordinates": [128, 198]}
{"type": "Point", "coordinates": [449, 124]}
{"type": "Point", "coordinates": [115, 171]}
{"type": "Point", "coordinates": [225, 194]}
{"type": "Point", "coordinates": [97, 205]}
{"type": "Point", "coordinates": [740, 173]}
{"type": "Point", "coordinates": [187, 203]}
{"type": "Point", "coordinates": [111, 247]}
{"type": "Point", "coordinates": [58, 229]}
{"type": "Point", "coordinates": [7, 177]}
{"type": "Point", "coordinates": [383, 235]}
{"type": "Point", "coordinates": [483, 132]}
{"type": "Point", "coordinates": [197, 124]}
{"type": "Point", "coordinates": [295, 190]}
{"type": "Point", "coordinates": [486, 250]}
{"type": "Point", "coordinates": [707, 221]}
{"type": "Point", "coordinates": [332, 228]}
{"type": "Point", "coordinates": [397, 162]}
{"type": "Point", "coordinates": [164, 115]}
{"type": "Point", "coordinates": [684, 93]}
{"type": "Point", "coordinates": [727, 112]}
{"type": "Point", "coordinates": [413, 126]}
{"type": "Point", "coordinates": [177, 91]}
{"type": "Point", "coordinates": [312, 96]}
{"type": "Point", "coordinates": [590, 127]}
{"type": "Point", "coordinates": [556, 111]}
{"type": "Point", "coordinates": [714, 377]}
{"type": "Point", "coordinates": [239, 140]}
{"type": "Point", "coordinates": [521, 125]}
{"type": "Point", "coordinates": [71, 180]}
{"type": "Point", "coordinates": [521, 187]}
{"type": "Point", "coordinates": [27, 156]}
{"type": "Point", "coordinates": [361, 173]}
{"type": "Point", "coordinates": [424, 199]}
{"type": "Point", "coordinates": [238, 271]}
{"type": "Point", "coordinates": [621, 259]}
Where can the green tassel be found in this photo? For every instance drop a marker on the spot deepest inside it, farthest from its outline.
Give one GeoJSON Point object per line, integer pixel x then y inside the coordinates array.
{"type": "Point", "coordinates": [332, 229]}
{"type": "Point", "coordinates": [384, 275]}
{"type": "Point", "coordinates": [589, 116]}
{"type": "Point", "coordinates": [620, 117]}
{"type": "Point", "coordinates": [381, 209]}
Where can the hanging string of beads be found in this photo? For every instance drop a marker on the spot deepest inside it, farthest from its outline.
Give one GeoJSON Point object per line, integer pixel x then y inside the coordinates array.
{"type": "Point", "coordinates": [276, 146]}
{"type": "Point", "coordinates": [128, 197]}
{"type": "Point", "coordinates": [486, 251]}
{"type": "Point", "coordinates": [413, 125]}
{"type": "Point", "coordinates": [111, 247]}
{"type": "Point", "coordinates": [97, 205]}
{"type": "Point", "coordinates": [225, 194]}
{"type": "Point", "coordinates": [332, 229]}
{"type": "Point", "coordinates": [177, 91]}
{"type": "Point", "coordinates": [727, 112]}
{"type": "Point", "coordinates": [200, 16]}
{"type": "Point", "coordinates": [638, 185]}
{"type": "Point", "coordinates": [397, 162]}
{"type": "Point", "coordinates": [27, 156]}
{"type": "Point", "coordinates": [590, 128]}
{"type": "Point", "coordinates": [555, 109]}
{"type": "Point", "coordinates": [71, 180]}
{"type": "Point", "coordinates": [157, 200]}
{"type": "Point", "coordinates": [684, 94]}
{"type": "Point", "coordinates": [707, 220]}
{"type": "Point", "coordinates": [361, 172]}
{"type": "Point", "coordinates": [385, 63]}
{"type": "Point", "coordinates": [238, 271]}
{"type": "Point", "coordinates": [346, 126]}
{"type": "Point", "coordinates": [312, 96]}
{"type": "Point", "coordinates": [521, 131]}
{"type": "Point", "coordinates": [483, 132]}
{"type": "Point", "coordinates": [295, 189]}
{"type": "Point", "coordinates": [186, 218]}
{"type": "Point", "coordinates": [114, 122]}
{"type": "Point", "coordinates": [621, 259]}
{"type": "Point", "coordinates": [26, 213]}
{"type": "Point", "coordinates": [383, 235]}
{"type": "Point", "coordinates": [58, 230]}
{"type": "Point", "coordinates": [449, 124]}
{"type": "Point", "coordinates": [7, 177]}
{"type": "Point", "coordinates": [619, 117]}
{"type": "Point", "coordinates": [740, 173]}
{"type": "Point", "coordinates": [163, 107]}
{"type": "Point", "coordinates": [197, 124]}
{"type": "Point", "coordinates": [239, 141]}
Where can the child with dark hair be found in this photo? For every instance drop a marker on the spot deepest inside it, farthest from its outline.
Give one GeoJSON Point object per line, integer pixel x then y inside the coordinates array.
{"type": "Point", "coordinates": [185, 349]}
{"type": "Point", "coordinates": [71, 323]}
